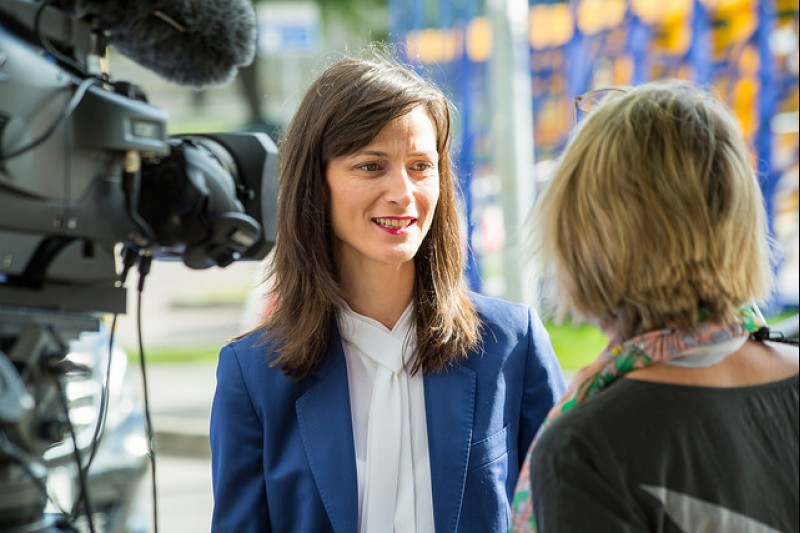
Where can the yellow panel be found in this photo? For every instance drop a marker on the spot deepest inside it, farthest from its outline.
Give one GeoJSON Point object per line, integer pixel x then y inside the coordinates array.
{"type": "Point", "coordinates": [550, 25]}
{"type": "Point", "coordinates": [479, 39]}
{"type": "Point", "coordinates": [597, 15]}
{"type": "Point", "coordinates": [661, 11]}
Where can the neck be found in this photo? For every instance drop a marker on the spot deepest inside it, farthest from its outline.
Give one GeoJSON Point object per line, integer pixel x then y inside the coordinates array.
{"type": "Point", "coordinates": [381, 294]}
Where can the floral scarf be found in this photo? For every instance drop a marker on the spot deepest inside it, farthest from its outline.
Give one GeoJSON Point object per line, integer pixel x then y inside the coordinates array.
{"type": "Point", "coordinates": [617, 359]}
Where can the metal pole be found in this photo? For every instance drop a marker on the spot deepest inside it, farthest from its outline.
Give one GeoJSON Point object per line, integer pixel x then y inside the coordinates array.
{"type": "Point", "coordinates": [512, 136]}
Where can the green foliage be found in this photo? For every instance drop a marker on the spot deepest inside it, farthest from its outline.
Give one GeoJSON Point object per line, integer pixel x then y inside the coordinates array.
{"type": "Point", "coordinates": [174, 354]}
{"type": "Point", "coordinates": [365, 20]}
{"type": "Point", "coordinates": [576, 345]}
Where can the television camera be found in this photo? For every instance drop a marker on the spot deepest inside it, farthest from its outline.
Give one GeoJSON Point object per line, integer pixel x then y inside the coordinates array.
{"type": "Point", "coordinates": [91, 186]}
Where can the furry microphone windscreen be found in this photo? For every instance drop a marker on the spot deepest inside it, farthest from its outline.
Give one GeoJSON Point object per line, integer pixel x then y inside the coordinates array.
{"type": "Point", "coordinates": [189, 42]}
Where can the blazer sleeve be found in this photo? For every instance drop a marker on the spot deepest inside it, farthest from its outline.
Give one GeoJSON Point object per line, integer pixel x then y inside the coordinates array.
{"type": "Point", "coordinates": [544, 383]}
{"type": "Point", "coordinates": [236, 433]}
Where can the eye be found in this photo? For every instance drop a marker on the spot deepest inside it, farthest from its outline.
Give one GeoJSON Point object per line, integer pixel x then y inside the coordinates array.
{"type": "Point", "coordinates": [422, 166]}
{"type": "Point", "coordinates": [369, 167]}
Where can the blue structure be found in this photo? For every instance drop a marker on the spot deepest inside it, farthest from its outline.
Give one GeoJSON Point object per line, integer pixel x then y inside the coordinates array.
{"type": "Point", "coordinates": [727, 45]}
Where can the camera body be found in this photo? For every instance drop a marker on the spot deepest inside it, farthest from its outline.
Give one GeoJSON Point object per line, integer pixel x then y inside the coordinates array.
{"type": "Point", "coordinates": [91, 185]}
{"type": "Point", "coordinates": [85, 162]}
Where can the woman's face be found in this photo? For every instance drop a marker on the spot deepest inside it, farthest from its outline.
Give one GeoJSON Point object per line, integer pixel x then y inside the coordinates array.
{"type": "Point", "coordinates": [383, 196]}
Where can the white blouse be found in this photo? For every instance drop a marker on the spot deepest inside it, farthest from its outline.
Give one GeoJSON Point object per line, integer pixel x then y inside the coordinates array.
{"type": "Point", "coordinates": [389, 424]}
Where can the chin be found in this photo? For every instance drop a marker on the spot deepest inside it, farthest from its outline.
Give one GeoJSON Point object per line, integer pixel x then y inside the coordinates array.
{"type": "Point", "coordinates": [399, 257]}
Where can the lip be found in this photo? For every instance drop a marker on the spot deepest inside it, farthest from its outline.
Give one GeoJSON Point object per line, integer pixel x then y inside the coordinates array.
{"type": "Point", "coordinates": [401, 229]}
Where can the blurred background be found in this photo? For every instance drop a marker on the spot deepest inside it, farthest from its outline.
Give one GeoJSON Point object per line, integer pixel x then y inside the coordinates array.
{"type": "Point", "coordinates": [512, 68]}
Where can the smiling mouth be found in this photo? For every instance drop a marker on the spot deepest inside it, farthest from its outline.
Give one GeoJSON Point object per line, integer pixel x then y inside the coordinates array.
{"type": "Point", "coordinates": [394, 223]}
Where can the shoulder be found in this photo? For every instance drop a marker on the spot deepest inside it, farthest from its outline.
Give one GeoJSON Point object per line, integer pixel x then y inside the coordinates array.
{"type": "Point", "coordinates": [582, 436]}
{"type": "Point", "coordinates": [787, 354]}
{"type": "Point", "coordinates": [508, 322]}
{"type": "Point", "coordinates": [564, 449]}
{"type": "Point", "coordinates": [599, 418]}
{"type": "Point", "coordinates": [253, 353]}
{"type": "Point", "coordinates": [498, 312]}
{"type": "Point", "coordinates": [247, 365]}
{"type": "Point", "coordinates": [629, 415]}
{"type": "Point", "coordinates": [511, 334]}
{"type": "Point", "coordinates": [255, 340]}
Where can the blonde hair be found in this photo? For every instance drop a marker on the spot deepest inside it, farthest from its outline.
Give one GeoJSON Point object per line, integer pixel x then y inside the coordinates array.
{"type": "Point", "coordinates": [654, 212]}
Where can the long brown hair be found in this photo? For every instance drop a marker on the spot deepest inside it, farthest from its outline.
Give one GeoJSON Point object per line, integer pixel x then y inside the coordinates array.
{"type": "Point", "coordinates": [342, 111]}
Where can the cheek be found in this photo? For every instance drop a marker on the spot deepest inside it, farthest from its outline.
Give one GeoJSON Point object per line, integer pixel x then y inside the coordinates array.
{"type": "Point", "coordinates": [337, 210]}
{"type": "Point", "coordinates": [430, 199]}
{"type": "Point", "coordinates": [429, 195]}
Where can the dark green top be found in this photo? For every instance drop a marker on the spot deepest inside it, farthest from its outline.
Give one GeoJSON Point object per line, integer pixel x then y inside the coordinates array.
{"type": "Point", "coordinates": [643, 456]}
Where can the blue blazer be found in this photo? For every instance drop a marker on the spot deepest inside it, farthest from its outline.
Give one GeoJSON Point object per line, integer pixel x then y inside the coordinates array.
{"type": "Point", "coordinates": [282, 451]}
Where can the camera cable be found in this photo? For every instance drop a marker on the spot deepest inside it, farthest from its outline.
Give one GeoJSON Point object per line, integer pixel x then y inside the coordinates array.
{"type": "Point", "coordinates": [87, 508]}
{"type": "Point", "coordinates": [130, 258]}
{"type": "Point", "coordinates": [57, 367]}
{"type": "Point", "coordinates": [145, 259]}
{"type": "Point", "coordinates": [102, 413]}
{"type": "Point", "coordinates": [77, 96]}
{"type": "Point", "coordinates": [47, 45]}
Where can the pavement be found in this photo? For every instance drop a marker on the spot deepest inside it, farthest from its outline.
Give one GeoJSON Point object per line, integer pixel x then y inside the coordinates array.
{"type": "Point", "coordinates": [180, 396]}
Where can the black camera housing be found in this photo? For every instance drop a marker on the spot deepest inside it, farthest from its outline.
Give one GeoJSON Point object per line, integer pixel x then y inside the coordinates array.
{"type": "Point", "coordinates": [86, 166]}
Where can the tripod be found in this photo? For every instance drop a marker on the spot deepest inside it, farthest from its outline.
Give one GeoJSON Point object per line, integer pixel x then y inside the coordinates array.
{"type": "Point", "coordinates": [34, 370]}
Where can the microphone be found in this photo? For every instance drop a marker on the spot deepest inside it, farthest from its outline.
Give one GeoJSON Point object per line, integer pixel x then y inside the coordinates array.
{"type": "Point", "coordinates": [189, 42]}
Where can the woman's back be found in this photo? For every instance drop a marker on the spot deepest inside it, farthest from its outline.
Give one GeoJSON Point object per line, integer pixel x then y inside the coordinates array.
{"type": "Point", "coordinates": [676, 449]}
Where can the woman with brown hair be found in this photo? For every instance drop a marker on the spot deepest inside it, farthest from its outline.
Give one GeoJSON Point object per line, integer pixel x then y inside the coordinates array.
{"type": "Point", "coordinates": [653, 226]}
{"type": "Point", "coordinates": [379, 395]}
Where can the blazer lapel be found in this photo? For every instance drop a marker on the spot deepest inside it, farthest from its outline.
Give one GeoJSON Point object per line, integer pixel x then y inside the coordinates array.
{"type": "Point", "coordinates": [449, 406]}
{"type": "Point", "coordinates": [323, 413]}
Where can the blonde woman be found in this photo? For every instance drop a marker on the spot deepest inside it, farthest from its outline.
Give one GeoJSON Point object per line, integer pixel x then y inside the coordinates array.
{"type": "Point", "coordinates": [654, 228]}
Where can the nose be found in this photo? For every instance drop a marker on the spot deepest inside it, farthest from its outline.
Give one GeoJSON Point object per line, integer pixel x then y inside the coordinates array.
{"type": "Point", "coordinates": [400, 187]}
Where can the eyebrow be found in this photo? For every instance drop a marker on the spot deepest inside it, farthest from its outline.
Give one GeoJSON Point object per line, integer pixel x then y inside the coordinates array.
{"type": "Point", "coordinates": [378, 153]}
